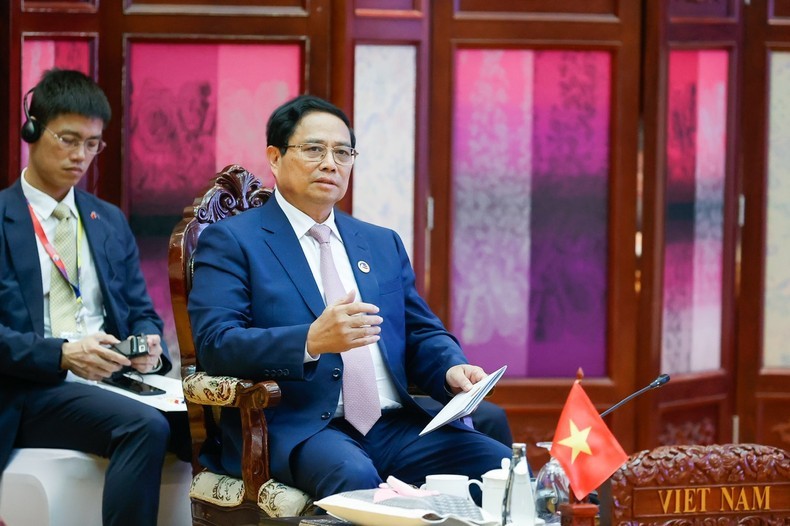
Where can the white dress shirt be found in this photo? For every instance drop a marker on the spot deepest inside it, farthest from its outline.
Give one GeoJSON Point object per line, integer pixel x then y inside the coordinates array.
{"type": "Point", "coordinates": [301, 223]}
{"type": "Point", "coordinates": [87, 280]}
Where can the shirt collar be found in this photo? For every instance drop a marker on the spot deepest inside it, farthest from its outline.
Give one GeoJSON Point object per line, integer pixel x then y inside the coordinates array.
{"type": "Point", "coordinates": [43, 203]}
{"type": "Point", "coordinates": [302, 222]}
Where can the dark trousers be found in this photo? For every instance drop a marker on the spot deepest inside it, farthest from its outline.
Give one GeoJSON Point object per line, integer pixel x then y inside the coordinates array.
{"type": "Point", "coordinates": [339, 458]}
{"type": "Point", "coordinates": [132, 435]}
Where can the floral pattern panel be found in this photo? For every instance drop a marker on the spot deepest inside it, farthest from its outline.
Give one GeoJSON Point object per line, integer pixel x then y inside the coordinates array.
{"type": "Point", "coordinates": [695, 174]}
{"type": "Point", "coordinates": [194, 108]}
{"type": "Point", "coordinates": [384, 123]}
{"type": "Point", "coordinates": [776, 308]}
{"type": "Point", "coordinates": [530, 174]}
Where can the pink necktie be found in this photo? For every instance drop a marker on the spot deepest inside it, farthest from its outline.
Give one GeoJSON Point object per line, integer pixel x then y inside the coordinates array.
{"type": "Point", "coordinates": [360, 395]}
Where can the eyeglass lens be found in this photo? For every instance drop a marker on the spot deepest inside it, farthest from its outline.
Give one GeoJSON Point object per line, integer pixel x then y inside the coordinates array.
{"type": "Point", "coordinates": [68, 142]}
{"type": "Point", "coordinates": [316, 152]}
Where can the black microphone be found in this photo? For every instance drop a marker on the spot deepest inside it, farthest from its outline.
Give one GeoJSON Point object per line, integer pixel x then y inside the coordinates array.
{"type": "Point", "coordinates": [658, 382]}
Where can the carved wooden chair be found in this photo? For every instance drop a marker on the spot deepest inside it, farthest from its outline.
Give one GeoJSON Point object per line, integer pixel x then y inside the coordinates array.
{"type": "Point", "coordinates": [700, 485]}
{"type": "Point", "coordinates": [216, 498]}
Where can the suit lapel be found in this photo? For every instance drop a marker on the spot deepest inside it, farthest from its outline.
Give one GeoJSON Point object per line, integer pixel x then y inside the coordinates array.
{"type": "Point", "coordinates": [21, 236]}
{"type": "Point", "coordinates": [280, 237]}
{"type": "Point", "coordinates": [359, 255]}
{"type": "Point", "coordinates": [96, 232]}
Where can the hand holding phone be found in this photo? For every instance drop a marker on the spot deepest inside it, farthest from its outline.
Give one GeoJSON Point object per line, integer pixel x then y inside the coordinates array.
{"type": "Point", "coordinates": [132, 347]}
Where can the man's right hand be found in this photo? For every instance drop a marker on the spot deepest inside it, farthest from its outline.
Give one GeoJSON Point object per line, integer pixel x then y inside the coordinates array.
{"type": "Point", "coordinates": [89, 357]}
{"type": "Point", "coordinates": [344, 325]}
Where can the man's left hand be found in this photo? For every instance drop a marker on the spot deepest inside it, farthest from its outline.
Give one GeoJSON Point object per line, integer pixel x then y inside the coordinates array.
{"type": "Point", "coordinates": [147, 363]}
{"type": "Point", "coordinates": [461, 378]}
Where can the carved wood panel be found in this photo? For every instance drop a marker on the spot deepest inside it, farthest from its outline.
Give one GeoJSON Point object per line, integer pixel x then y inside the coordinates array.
{"type": "Point", "coordinates": [700, 485]}
{"type": "Point", "coordinates": [208, 7]}
{"type": "Point", "coordinates": [698, 404]}
{"type": "Point", "coordinates": [773, 420]}
{"type": "Point", "coordinates": [690, 425]}
{"type": "Point", "coordinates": [534, 8]}
{"type": "Point", "coordinates": [764, 377]}
{"type": "Point", "coordinates": [779, 9]}
{"type": "Point", "coordinates": [699, 9]}
{"type": "Point", "coordinates": [60, 6]}
{"type": "Point", "coordinates": [388, 5]}
{"type": "Point", "coordinates": [534, 405]}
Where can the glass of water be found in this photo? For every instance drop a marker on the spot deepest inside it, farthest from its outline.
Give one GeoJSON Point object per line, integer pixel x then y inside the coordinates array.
{"type": "Point", "coordinates": [551, 489]}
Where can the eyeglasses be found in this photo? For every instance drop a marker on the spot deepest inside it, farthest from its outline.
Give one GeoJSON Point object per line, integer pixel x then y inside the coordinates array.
{"type": "Point", "coordinates": [70, 143]}
{"type": "Point", "coordinates": [315, 152]}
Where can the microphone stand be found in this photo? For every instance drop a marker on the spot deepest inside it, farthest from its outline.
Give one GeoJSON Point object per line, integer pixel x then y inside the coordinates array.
{"type": "Point", "coordinates": [658, 382]}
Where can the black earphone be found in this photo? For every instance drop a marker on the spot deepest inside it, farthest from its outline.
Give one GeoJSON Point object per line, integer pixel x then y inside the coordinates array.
{"type": "Point", "coordinates": [31, 129]}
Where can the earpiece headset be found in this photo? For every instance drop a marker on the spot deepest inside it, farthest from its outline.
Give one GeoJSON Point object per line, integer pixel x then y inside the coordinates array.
{"type": "Point", "coordinates": [31, 129]}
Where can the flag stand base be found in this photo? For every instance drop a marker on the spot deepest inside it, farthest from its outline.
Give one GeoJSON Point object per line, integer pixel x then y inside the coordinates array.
{"type": "Point", "coordinates": [579, 514]}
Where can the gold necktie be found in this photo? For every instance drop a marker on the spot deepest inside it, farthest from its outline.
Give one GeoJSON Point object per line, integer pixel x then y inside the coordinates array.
{"type": "Point", "coordinates": [63, 306]}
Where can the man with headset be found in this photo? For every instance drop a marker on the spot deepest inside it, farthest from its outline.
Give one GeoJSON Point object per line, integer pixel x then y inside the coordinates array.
{"type": "Point", "coordinates": [70, 287]}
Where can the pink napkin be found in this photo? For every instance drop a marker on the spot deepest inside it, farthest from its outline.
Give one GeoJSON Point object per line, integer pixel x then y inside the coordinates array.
{"type": "Point", "coordinates": [397, 488]}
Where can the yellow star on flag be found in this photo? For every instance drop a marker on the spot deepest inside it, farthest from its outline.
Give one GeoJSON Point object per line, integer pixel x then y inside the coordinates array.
{"type": "Point", "coordinates": [577, 441]}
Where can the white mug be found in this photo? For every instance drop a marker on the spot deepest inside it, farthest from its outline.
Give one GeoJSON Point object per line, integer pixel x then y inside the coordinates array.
{"type": "Point", "coordinates": [522, 505]}
{"type": "Point", "coordinates": [457, 485]}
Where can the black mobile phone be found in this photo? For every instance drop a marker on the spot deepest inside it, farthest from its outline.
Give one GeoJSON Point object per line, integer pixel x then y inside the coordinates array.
{"type": "Point", "coordinates": [133, 346]}
{"type": "Point", "coordinates": [135, 386]}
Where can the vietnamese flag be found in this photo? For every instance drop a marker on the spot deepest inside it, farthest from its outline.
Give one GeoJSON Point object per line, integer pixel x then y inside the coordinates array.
{"type": "Point", "coordinates": [583, 445]}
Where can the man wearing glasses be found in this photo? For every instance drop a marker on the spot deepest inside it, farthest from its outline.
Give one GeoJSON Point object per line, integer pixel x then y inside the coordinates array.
{"type": "Point", "coordinates": [326, 305]}
{"type": "Point", "coordinates": [71, 286]}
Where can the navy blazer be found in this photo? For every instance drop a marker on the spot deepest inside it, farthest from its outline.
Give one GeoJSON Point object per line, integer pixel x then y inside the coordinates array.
{"type": "Point", "coordinates": [253, 299]}
{"type": "Point", "coordinates": [29, 361]}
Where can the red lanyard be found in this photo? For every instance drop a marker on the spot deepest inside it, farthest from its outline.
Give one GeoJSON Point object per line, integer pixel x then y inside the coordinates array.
{"type": "Point", "coordinates": [53, 255]}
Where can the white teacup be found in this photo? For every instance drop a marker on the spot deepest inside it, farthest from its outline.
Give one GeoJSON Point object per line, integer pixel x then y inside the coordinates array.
{"type": "Point", "coordinates": [457, 485]}
{"type": "Point", "coordinates": [522, 505]}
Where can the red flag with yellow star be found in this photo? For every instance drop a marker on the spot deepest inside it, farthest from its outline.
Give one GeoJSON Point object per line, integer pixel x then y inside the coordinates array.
{"type": "Point", "coordinates": [583, 445]}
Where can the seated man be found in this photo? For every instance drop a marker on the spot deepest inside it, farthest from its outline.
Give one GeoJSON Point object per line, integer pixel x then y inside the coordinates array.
{"type": "Point", "coordinates": [70, 286]}
{"type": "Point", "coordinates": [326, 305]}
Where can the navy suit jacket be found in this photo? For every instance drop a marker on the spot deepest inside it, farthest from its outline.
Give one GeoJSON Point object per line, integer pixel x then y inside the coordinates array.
{"type": "Point", "coordinates": [253, 299]}
{"type": "Point", "coordinates": [28, 361]}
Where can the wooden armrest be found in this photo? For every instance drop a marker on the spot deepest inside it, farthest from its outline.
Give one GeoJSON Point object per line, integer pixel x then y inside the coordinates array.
{"type": "Point", "coordinates": [228, 391]}
{"type": "Point", "coordinates": [250, 398]}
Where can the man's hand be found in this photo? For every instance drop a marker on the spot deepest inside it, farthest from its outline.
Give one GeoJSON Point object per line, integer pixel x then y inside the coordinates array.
{"type": "Point", "coordinates": [89, 357]}
{"type": "Point", "coordinates": [460, 378]}
{"type": "Point", "coordinates": [344, 325]}
{"type": "Point", "coordinates": [147, 363]}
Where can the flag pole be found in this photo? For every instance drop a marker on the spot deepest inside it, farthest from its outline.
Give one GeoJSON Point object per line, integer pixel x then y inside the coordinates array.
{"type": "Point", "coordinates": [578, 513]}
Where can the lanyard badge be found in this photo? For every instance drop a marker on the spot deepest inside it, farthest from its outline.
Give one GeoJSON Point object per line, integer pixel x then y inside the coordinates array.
{"type": "Point", "coordinates": [58, 262]}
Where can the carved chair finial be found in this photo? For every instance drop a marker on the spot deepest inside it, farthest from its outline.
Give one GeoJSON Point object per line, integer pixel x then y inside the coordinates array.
{"type": "Point", "coordinates": [233, 191]}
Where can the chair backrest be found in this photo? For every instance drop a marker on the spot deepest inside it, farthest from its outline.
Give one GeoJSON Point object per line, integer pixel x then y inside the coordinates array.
{"type": "Point", "coordinates": [233, 191]}
{"type": "Point", "coordinates": [734, 483]}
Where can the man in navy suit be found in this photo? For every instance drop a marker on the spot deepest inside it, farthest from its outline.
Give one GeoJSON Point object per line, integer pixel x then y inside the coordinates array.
{"type": "Point", "coordinates": [258, 311]}
{"type": "Point", "coordinates": [47, 398]}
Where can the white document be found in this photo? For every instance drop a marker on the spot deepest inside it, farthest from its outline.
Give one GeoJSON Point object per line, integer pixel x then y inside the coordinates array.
{"type": "Point", "coordinates": [402, 511]}
{"type": "Point", "coordinates": [172, 400]}
{"type": "Point", "coordinates": [464, 404]}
